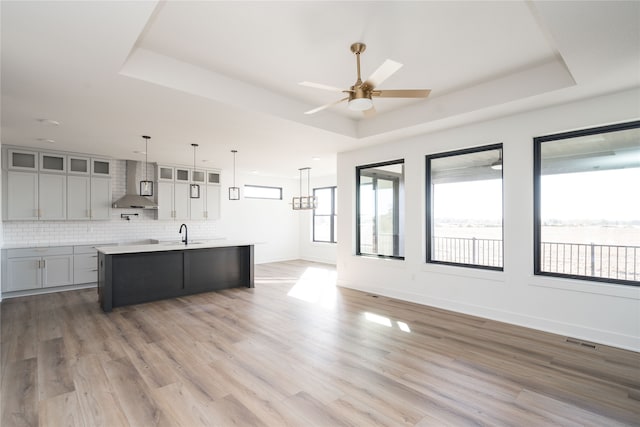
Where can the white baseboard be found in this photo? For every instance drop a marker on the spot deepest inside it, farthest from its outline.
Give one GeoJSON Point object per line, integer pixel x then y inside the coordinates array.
{"type": "Point", "coordinates": [40, 291]}
{"type": "Point", "coordinates": [627, 342]}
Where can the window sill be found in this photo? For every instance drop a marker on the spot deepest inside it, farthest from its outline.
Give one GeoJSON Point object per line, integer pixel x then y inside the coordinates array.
{"type": "Point", "coordinates": [467, 272]}
{"type": "Point", "coordinates": [584, 286]}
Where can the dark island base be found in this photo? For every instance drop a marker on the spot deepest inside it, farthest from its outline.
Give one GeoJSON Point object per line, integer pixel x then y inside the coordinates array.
{"type": "Point", "coordinates": [133, 278]}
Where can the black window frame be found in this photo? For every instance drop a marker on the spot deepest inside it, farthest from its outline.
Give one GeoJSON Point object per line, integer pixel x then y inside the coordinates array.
{"type": "Point", "coordinates": [429, 205]}
{"type": "Point", "coordinates": [333, 216]}
{"type": "Point", "coordinates": [358, 169]}
{"type": "Point", "coordinates": [263, 186]}
{"type": "Point", "coordinates": [537, 220]}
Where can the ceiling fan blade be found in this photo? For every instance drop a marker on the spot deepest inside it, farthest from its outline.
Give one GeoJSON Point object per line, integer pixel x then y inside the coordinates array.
{"type": "Point", "coordinates": [383, 72]}
{"type": "Point", "coordinates": [315, 110]}
{"type": "Point", "coordinates": [370, 112]}
{"type": "Point", "coordinates": [400, 93]}
{"type": "Point", "coordinates": [320, 86]}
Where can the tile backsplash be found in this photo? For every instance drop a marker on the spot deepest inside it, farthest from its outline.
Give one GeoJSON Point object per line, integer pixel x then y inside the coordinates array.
{"type": "Point", "coordinates": [141, 227]}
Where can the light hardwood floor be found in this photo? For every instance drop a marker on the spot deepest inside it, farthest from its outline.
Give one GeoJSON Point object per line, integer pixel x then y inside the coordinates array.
{"type": "Point", "coordinates": [295, 351]}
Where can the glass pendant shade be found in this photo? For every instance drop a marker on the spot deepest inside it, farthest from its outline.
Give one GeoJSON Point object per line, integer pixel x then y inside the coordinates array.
{"type": "Point", "coordinates": [234, 192]}
{"type": "Point", "coordinates": [194, 189]}
{"type": "Point", "coordinates": [146, 186]}
{"type": "Point", "coordinates": [307, 202]}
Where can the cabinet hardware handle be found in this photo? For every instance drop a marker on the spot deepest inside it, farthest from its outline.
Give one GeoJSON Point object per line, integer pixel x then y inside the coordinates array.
{"type": "Point", "coordinates": [95, 270]}
{"type": "Point", "coordinates": [94, 256]}
{"type": "Point", "coordinates": [44, 263]}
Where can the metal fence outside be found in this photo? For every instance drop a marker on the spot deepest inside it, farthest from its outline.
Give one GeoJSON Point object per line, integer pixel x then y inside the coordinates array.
{"type": "Point", "coordinates": [463, 250]}
{"type": "Point", "coordinates": [579, 259]}
{"type": "Point", "coordinates": [591, 260]}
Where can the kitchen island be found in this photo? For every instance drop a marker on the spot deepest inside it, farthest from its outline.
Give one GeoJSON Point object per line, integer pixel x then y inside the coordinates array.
{"type": "Point", "coordinates": [142, 273]}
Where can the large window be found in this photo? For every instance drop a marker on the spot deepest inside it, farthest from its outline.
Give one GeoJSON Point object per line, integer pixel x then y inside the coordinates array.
{"type": "Point", "coordinates": [464, 207]}
{"type": "Point", "coordinates": [587, 204]}
{"type": "Point", "coordinates": [380, 209]}
{"type": "Point", "coordinates": [324, 215]}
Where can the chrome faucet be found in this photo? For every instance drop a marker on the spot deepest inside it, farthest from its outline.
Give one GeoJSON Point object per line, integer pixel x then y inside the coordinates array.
{"type": "Point", "coordinates": [186, 234]}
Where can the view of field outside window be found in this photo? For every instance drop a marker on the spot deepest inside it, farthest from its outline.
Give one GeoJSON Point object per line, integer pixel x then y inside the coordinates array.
{"type": "Point", "coordinates": [590, 206]}
{"type": "Point", "coordinates": [381, 204]}
{"type": "Point", "coordinates": [324, 215]}
{"type": "Point", "coordinates": [465, 198]}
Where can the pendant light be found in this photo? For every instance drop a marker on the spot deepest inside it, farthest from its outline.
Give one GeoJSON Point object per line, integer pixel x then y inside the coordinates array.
{"type": "Point", "coordinates": [305, 202]}
{"type": "Point", "coordinates": [146, 186]}
{"type": "Point", "coordinates": [234, 192]}
{"type": "Point", "coordinates": [194, 189]}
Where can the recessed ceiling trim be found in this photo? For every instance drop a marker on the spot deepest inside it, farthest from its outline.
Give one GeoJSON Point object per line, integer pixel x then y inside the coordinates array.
{"type": "Point", "coordinates": [169, 72]}
{"type": "Point", "coordinates": [536, 80]}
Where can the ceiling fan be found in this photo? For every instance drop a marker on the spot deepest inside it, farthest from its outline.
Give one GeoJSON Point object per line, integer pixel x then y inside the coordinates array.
{"type": "Point", "coordinates": [360, 93]}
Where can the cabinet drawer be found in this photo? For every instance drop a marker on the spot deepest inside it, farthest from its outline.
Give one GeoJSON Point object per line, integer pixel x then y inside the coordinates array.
{"type": "Point", "coordinates": [85, 276]}
{"type": "Point", "coordinates": [39, 252]}
{"type": "Point", "coordinates": [85, 261]}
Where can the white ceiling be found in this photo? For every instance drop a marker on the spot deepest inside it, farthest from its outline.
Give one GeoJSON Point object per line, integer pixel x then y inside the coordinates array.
{"type": "Point", "coordinates": [225, 74]}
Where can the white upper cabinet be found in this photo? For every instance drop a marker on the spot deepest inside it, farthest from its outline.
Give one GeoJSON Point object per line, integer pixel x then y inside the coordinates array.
{"type": "Point", "coordinates": [165, 173]}
{"type": "Point", "coordinates": [52, 196]}
{"type": "Point", "coordinates": [182, 175]}
{"type": "Point", "coordinates": [78, 197]}
{"type": "Point", "coordinates": [78, 165]}
{"type": "Point", "coordinates": [101, 167]}
{"type": "Point", "coordinates": [22, 160]}
{"type": "Point", "coordinates": [43, 185]}
{"type": "Point", "coordinates": [22, 195]}
{"type": "Point", "coordinates": [213, 177]}
{"type": "Point", "coordinates": [100, 198]}
{"type": "Point", "coordinates": [53, 163]}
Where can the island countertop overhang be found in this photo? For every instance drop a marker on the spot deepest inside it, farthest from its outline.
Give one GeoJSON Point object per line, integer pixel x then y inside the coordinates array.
{"type": "Point", "coordinates": [170, 246]}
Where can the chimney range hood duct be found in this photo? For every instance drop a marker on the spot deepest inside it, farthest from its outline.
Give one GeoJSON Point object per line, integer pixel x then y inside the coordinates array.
{"type": "Point", "coordinates": [132, 200]}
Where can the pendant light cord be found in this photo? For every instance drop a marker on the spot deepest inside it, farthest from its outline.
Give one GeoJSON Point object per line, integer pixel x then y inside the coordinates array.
{"type": "Point", "coordinates": [234, 167]}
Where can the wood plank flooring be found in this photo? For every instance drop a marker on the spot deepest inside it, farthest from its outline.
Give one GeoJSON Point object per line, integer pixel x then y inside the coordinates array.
{"type": "Point", "coordinates": [296, 351]}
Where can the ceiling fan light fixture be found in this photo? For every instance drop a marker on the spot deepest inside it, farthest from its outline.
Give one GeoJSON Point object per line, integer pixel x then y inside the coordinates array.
{"type": "Point", "coordinates": [360, 104]}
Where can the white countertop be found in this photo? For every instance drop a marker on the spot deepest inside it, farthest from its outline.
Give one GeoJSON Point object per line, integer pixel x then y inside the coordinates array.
{"type": "Point", "coordinates": [170, 246]}
{"type": "Point", "coordinates": [53, 245]}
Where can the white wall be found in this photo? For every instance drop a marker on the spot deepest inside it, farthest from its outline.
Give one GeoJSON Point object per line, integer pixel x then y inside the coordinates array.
{"type": "Point", "coordinates": [310, 250]}
{"type": "Point", "coordinates": [600, 312]}
{"type": "Point", "coordinates": [266, 222]}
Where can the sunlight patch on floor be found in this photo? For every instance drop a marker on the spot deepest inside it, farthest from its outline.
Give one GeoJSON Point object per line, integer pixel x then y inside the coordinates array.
{"type": "Point", "coordinates": [317, 286]}
{"type": "Point", "coordinates": [385, 321]}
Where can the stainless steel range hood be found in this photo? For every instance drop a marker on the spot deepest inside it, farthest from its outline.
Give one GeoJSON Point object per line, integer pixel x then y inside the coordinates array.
{"type": "Point", "coordinates": [132, 200]}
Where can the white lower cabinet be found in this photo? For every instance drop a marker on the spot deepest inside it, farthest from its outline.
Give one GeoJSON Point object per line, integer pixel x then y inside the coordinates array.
{"type": "Point", "coordinates": [35, 268]}
{"type": "Point", "coordinates": [22, 274]}
{"type": "Point", "coordinates": [38, 268]}
{"type": "Point", "coordinates": [85, 264]}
